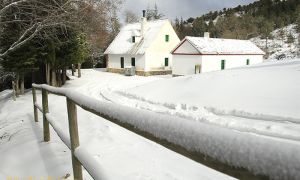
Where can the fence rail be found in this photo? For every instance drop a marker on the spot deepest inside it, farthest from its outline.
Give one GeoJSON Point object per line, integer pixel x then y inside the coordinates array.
{"type": "Point", "coordinates": [159, 128]}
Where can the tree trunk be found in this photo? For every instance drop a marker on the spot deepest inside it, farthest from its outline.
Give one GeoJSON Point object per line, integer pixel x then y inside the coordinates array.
{"type": "Point", "coordinates": [64, 75]}
{"type": "Point", "coordinates": [17, 84]}
{"type": "Point", "coordinates": [22, 90]}
{"type": "Point", "coordinates": [53, 78]}
{"type": "Point", "coordinates": [13, 84]}
{"type": "Point", "coordinates": [73, 70]}
{"type": "Point", "coordinates": [48, 73]}
{"type": "Point", "coordinates": [58, 76]}
{"type": "Point", "coordinates": [79, 70]}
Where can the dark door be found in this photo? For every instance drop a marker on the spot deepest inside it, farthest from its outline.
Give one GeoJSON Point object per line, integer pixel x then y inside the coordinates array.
{"type": "Point", "coordinates": [132, 61]}
{"type": "Point", "coordinates": [122, 62]}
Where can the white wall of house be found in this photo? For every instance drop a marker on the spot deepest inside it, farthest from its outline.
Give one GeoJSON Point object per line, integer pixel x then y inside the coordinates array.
{"type": "Point", "coordinates": [156, 61]}
{"type": "Point", "coordinates": [185, 64]}
{"type": "Point", "coordinates": [213, 62]}
{"type": "Point", "coordinates": [114, 61]}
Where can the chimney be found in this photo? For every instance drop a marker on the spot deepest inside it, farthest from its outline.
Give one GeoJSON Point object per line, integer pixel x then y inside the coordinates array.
{"type": "Point", "coordinates": [143, 24]}
{"type": "Point", "coordinates": [206, 34]}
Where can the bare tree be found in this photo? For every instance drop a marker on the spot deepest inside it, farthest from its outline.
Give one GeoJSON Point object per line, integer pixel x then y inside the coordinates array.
{"type": "Point", "coordinates": [130, 17]}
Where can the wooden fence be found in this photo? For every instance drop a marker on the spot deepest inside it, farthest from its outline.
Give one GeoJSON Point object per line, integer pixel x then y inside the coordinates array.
{"type": "Point", "coordinates": [80, 157]}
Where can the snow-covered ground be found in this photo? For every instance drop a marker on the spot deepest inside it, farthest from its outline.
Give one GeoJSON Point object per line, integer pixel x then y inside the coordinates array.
{"type": "Point", "coordinates": [5, 94]}
{"type": "Point", "coordinates": [260, 100]}
{"type": "Point", "coordinates": [248, 117]}
{"type": "Point", "coordinates": [121, 154]}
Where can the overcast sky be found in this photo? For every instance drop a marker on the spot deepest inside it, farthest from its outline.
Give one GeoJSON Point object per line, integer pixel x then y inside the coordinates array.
{"type": "Point", "coordinates": [182, 8]}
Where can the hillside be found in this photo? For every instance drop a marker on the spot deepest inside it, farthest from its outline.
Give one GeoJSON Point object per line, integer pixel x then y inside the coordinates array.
{"type": "Point", "coordinates": [283, 44]}
{"type": "Point", "coordinates": [243, 22]}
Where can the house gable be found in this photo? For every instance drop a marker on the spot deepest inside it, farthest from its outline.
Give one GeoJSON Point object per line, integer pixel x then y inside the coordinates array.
{"type": "Point", "coordinates": [165, 40]}
{"type": "Point", "coordinates": [185, 48]}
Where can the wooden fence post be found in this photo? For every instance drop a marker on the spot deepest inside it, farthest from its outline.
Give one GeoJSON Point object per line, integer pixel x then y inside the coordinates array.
{"type": "Point", "coordinates": [35, 111]}
{"type": "Point", "coordinates": [45, 111]}
{"type": "Point", "coordinates": [73, 129]}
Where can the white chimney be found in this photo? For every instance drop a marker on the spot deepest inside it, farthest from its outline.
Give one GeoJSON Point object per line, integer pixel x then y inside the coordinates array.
{"type": "Point", "coordinates": [206, 34]}
{"type": "Point", "coordinates": [143, 24]}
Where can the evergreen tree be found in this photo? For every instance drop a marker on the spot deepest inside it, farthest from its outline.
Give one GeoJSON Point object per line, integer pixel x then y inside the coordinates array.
{"type": "Point", "coordinates": [82, 51]}
{"type": "Point", "coordinates": [199, 27]}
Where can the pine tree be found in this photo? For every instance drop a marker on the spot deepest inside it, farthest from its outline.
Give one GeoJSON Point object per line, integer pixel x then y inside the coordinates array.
{"type": "Point", "coordinates": [82, 51]}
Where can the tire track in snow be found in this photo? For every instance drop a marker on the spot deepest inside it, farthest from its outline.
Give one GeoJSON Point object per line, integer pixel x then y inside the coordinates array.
{"type": "Point", "coordinates": [276, 129]}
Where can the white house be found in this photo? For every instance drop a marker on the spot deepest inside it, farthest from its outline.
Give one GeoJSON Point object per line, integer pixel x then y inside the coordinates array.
{"type": "Point", "coordinates": [146, 45]}
{"type": "Point", "coordinates": [203, 54]}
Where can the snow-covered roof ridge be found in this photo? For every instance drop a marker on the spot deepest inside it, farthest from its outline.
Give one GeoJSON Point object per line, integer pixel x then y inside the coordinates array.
{"type": "Point", "coordinates": [223, 46]}
{"type": "Point", "coordinates": [123, 44]}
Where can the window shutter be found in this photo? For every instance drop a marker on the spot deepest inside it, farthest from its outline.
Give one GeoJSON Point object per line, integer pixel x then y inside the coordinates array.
{"type": "Point", "coordinates": [222, 64]}
{"type": "Point", "coordinates": [166, 62]}
{"type": "Point", "coordinates": [167, 38]}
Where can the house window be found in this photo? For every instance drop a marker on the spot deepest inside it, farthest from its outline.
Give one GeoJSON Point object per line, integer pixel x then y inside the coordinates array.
{"type": "Point", "coordinates": [122, 62]}
{"type": "Point", "coordinates": [222, 64]}
{"type": "Point", "coordinates": [166, 62]}
{"type": "Point", "coordinates": [132, 61]}
{"type": "Point", "coordinates": [167, 38]}
{"type": "Point", "coordinates": [248, 62]}
{"type": "Point", "coordinates": [133, 39]}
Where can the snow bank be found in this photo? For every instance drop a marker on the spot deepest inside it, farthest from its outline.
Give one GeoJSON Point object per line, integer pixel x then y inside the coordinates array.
{"type": "Point", "coordinates": [269, 91]}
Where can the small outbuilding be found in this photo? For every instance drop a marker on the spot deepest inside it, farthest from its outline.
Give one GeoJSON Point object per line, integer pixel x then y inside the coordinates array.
{"type": "Point", "coordinates": [195, 55]}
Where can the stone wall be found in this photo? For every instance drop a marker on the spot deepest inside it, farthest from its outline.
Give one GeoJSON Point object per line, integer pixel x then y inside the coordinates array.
{"type": "Point", "coordinates": [141, 73]}
{"type": "Point", "coordinates": [114, 70]}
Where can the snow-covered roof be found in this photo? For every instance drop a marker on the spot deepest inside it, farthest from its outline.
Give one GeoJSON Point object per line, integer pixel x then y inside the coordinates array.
{"type": "Point", "coordinates": [122, 44]}
{"type": "Point", "coordinates": [221, 46]}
